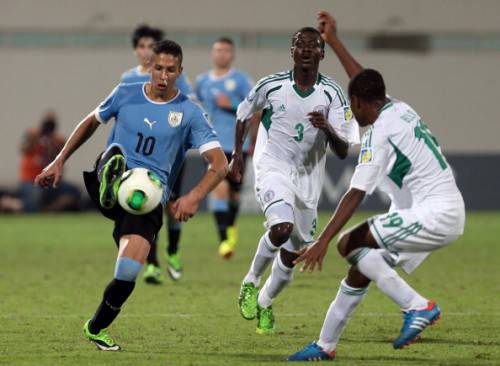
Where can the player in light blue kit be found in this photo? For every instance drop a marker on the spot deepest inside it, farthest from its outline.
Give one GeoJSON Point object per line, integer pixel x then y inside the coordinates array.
{"type": "Point", "coordinates": [155, 125]}
{"type": "Point", "coordinates": [143, 40]}
{"type": "Point", "coordinates": [221, 90]}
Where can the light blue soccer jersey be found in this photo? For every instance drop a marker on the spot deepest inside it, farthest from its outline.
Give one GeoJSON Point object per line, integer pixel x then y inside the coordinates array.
{"type": "Point", "coordinates": [156, 135]}
{"type": "Point", "coordinates": [134, 76]}
{"type": "Point", "coordinates": [236, 85]}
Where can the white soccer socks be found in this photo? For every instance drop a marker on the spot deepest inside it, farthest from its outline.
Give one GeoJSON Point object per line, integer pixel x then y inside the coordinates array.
{"type": "Point", "coordinates": [339, 313]}
{"type": "Point", "coordinates": [371, 263]}
{"type": "Point", "coordinates": [266, 252]}
{"type": "Point", "coordinates": [280, 276]}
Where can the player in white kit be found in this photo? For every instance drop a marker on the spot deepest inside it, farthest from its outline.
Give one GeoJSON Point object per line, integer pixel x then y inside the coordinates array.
{"type": "Point", "coordinates": [304, 112]}
{"type": "Point", "coordinates": [400, 156]}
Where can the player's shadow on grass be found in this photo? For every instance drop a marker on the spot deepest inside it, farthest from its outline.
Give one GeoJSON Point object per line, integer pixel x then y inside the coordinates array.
{"type": "Point", "coordinates": [409, 359]}
{"type": "Point", "coordinates": [447, 341]}
{"type": "Point", "coordinates": [249, 357]}
{"type": "Point", "coordinates": [457, 342]}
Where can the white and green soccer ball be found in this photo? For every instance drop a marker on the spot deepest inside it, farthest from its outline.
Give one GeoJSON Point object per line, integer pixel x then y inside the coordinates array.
{"type": "Point", "coordinates": [140, 191]}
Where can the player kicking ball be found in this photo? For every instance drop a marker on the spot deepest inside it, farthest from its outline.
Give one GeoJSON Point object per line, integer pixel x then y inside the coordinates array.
{"type": "Point", "coordinates": [304, 112]}
{"type": "Point", "coordinates": [155, 124]}
{"type": "Point", "coordinates": [400, 156]}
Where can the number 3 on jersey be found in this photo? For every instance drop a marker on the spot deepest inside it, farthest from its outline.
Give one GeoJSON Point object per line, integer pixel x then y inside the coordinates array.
{"type": "Point", "coordinates": [423, 132]}
{"type": "Point", "coordinates": [300, 132]}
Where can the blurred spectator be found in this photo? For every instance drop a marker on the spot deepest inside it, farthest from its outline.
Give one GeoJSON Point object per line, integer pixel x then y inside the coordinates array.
{"type": "Point", "coordinates": [39, 147]}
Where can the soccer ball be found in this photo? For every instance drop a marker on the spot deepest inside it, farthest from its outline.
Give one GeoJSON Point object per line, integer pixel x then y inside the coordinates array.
{"type": "Point", "coordinates": [140, 191]}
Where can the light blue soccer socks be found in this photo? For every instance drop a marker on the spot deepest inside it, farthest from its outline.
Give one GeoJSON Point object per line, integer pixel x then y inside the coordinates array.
{"type": "Point", "coordinates": [127, 269]}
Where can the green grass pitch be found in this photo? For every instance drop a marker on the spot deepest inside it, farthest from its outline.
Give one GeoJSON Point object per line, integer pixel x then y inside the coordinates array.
{"type": "Point", "coordinates": [54, 269]}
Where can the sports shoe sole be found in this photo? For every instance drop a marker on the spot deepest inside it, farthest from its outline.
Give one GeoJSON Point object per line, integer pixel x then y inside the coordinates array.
{"type": "Point", "coordinates": [111, 180]}
{"type": "Point", "coordinates": [105, 348]}
{"type": "Point", "coordinates": [173, 273]}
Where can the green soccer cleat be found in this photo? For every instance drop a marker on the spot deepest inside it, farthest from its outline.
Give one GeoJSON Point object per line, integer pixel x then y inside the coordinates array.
{"type": "Point", "coordinates": [102, 340]}
{"type": "Point", "coordinates": [265, 320]}
{"type": "Point", "coordinates": [174, 266]}
{"type": "Point", "coordinates": [152, 275]}
{"type": "Point", "coordinates": [247, 300]}
{"type": "Point", "coordinates": [110, 181]}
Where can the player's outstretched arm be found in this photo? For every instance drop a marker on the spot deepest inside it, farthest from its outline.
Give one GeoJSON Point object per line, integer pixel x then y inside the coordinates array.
{"type": "Point", "coordinates": [236, 165]}
{"type": "Point", "coordinates": [186, 206]}
{"type": "Point", "coordinates": [52, 173]}
{"type": "Point", "coordinates": [328, 28]}
{"type": "Point", "coordinates": [345, 209]}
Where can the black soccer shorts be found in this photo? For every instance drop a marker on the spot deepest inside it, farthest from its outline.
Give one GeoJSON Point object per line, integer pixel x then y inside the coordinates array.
{"type": "Point", "coordinates": [146, 226]}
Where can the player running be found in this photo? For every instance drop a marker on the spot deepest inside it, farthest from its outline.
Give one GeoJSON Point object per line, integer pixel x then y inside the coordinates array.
{"type": "Point", "coordinates": [155, 125]}
{"type": "Point", "coordinates": [143, 40]}
{"type": "Point", "coordinates": [304, 112]}
{"type": "Point", "coordinates": [221, 90]}
{"type": "Point", "coordinates": [400, 156]}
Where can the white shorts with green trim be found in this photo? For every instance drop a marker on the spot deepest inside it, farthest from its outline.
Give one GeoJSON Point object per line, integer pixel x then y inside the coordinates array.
{"type": "Point", "coordinates": [280, 204]}
{"type": "Point", "coordinates": [403, 239]}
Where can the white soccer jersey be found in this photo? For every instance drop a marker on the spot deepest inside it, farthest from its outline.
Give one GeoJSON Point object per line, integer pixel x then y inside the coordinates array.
{"type": "Point", "coordinates": [290, 142]}
{"type": "Point", "coordinates": [400, 156]}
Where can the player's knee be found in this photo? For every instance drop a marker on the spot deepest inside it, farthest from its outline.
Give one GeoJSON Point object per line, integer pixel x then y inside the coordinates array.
{"type": "Point", "coordinates": [280, 233]}
{"type": "Point", "coordinates": [127, 269]}
{"type": "Point", "coordinates": [356, 279]}
{"type": "Point", "coordinates": [343, 244]}
{"type": "Point", "coordinates": [287, 257]}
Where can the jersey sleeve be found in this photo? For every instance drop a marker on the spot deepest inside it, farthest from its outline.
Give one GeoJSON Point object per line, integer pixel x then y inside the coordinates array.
{"type": "Point", "coordinates": [254, 101]}
{"type": "Point", "coordinates": [374, 157]}
{"type": "Point", "coordinates": [341, 118]}
{"type": "Point", "coordinates": [109, 107]}
{"type": "Point", "coordinates": [201, 134]}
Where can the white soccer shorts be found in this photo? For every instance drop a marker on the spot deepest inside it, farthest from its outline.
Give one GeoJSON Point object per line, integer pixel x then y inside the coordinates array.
{"type": "Point", "coordinates": [404, 240]}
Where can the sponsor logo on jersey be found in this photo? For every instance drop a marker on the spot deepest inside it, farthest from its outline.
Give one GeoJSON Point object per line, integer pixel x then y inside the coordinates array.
{"type": "Point", "coordinates": [365, 155]}
{"type": "Point", "coordinates": [174, 118]}
{"type": "Point", "coordinates": [281, 108]}
{"type": "Point", "coordinates": [347, 113]}
{"type": "Point", "coordinates": [230, 84]}
{"type": "Point", "coordinates": [149, 123]}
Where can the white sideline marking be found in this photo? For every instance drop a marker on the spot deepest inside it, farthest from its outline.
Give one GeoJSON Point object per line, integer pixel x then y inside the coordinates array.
{"type": "Point", "coordinates": [193, 315]}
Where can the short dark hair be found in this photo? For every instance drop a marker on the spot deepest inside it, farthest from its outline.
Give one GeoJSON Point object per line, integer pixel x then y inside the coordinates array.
{"type": "Point", "coordinates": [226, 40]}
{"type": "Point", "coordinates": [168, 47]}
{"type": "Point", "coordinates": [368, 85]}
{"type": "Point", "coordinates": [308, 30]}
{"type": "Point", "coordinates": [145, 30]}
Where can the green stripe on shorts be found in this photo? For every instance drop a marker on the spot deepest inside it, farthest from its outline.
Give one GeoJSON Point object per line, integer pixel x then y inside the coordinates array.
{"type": "Point", "coordinates": [403, 233]}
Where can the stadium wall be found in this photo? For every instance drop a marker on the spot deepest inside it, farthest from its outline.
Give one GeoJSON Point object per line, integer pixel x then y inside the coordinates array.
{"type": "Point", "coordinates": [454, 93]}
{"type": "Point", "coordinates": [453, 89]}
{"type": "Point", "coordinates": [475, 179]}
